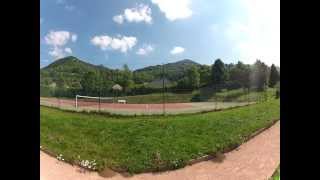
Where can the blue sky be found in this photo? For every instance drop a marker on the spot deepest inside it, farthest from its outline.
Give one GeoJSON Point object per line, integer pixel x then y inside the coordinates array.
{"type": "Point", "coordinates": [148, 32]}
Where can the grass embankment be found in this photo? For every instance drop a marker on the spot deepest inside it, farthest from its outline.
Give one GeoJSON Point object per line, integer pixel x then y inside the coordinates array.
{"type": "Point", "coordinates": [149, 143]}
{"type": "Point", "coordinates": [276, 174]}
{"type": "Point", "coordinates": [237, 95]}
{"type": "Point", "coordinates": [158, 98]}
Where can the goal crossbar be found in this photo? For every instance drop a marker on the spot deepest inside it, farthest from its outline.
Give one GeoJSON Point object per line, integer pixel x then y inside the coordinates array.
{"type": "Point", "coordinates": [91, 97]}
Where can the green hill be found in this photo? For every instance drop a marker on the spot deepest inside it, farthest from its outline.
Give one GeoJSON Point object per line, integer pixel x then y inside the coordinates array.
{"type": "Point", "coordinates": [174, 71]}
{"type": "Point", "coordinates": [67, 72]}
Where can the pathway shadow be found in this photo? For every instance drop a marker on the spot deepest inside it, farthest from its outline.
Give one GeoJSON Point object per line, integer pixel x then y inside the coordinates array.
{"type": "Point", "coordinates": [219, 158]}
{"type": "Point", "coordinates": [107, 173]}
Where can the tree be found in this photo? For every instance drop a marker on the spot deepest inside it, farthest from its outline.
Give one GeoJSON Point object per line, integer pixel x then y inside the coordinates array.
{"type": "Point", "coordinates": [191, 80]}
{"type": "Point", "coordinates": [205, 74]}
{"type": "Point", "coordinates": [218, 73]}
{"type": "Point", "coordinates": [124, 78]}
{"type": "Point", "coordinates": [193, 77]}
{"type": "Point", "coordinates": [259, 75]}
{"type": "Point", "coordinates": [274, 76]}
{"type": "Point", "coordinates": [141, 77]}
{"type": "Point", "coordinates": [183, 83]}
{"type": "Point", "coordinates": [90, 83]}
{"type": "Point", "coordinates": [240, 74]}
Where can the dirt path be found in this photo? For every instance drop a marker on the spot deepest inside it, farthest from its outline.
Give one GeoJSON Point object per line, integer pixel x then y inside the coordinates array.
{"type": "Point", "coordinates": [254, 160]}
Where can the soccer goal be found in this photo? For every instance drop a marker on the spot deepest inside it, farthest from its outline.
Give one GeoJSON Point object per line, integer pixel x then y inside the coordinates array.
{"type": "Point", "coordinates": [92, 101]}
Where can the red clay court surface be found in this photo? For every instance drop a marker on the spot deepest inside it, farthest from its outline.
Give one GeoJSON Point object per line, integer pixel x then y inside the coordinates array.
{"type": "Point", "coordinates": [126, 109]}
{"type": "Point", "coordinates": [69, 102]}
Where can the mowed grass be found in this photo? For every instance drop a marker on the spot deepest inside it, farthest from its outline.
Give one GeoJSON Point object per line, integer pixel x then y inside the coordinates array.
{"type": "Point", "coordinates": [158, 98]}
{"type": "Point", "coordinates": [237, 95]}
{"type": "Point", "coordinates": [149, 143]}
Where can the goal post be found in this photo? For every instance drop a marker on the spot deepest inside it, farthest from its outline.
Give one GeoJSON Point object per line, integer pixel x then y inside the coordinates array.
{"type": "Point", "coordinates": [91, 97]}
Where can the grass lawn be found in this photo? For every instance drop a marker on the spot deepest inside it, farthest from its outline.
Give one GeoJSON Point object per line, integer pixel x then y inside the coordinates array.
{"type": "Point", "coordinates": [276, 174]}
{"type": "Point", "coordinates": [238, 95]}
{"type": "Point", "coordinates": [149, 143]}
{"type": "Point", "coordinates": [158, 98]}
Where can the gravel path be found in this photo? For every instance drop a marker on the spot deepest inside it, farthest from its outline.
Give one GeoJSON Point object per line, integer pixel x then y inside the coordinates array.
{"type": "Point", "coordinates": [254, 160]}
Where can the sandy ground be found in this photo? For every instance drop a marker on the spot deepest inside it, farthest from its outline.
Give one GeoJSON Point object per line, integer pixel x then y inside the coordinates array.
{"type": "Point", "coordinates": [254, 160]}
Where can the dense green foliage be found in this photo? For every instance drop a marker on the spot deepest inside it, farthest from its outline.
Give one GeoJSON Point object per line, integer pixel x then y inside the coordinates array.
{"type": "Point", "coordinates": [218, 72]}
{"type": "Point", "coordinates": [240, 75]}
{"type": "Point", "coordinates": [259, 75]}
{"type": "Point", "coordinates": [142, 143]}
{"type": "Point", "coordinates": [274, 76]}
{"type": "Point", "coordinates": [205, 75]}
{"type": "Point", "coordinates": [191, 80]}
{"type": "Point", "coordinates": [173, 71]}
{"type": "Point", "coordinates": [70, 76]}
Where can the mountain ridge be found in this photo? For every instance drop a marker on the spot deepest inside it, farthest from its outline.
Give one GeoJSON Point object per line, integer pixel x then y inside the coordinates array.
{"type": "Point", "coordinates": [74, 59]}
{"type": "Point", "coordinates": [69, 71]}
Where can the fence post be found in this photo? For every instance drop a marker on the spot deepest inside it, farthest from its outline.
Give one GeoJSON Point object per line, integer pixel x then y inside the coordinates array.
{"type": "Point", "coordinates": [216, 97]}
{"type": "Point", "coordinates": [100, 94]}
{"type": "Point", "coordinates": [163, 89]}
{"type": "Point", "coordinates": [249, 100]}
{"type": "Point", "coordinates": [99, 102]}
{"type": "Point", "coordinates": [76, 101]}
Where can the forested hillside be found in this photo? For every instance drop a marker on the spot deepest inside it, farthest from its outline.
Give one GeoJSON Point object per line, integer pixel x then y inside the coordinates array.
{"type": "Point", "coordinates": [69, 76]}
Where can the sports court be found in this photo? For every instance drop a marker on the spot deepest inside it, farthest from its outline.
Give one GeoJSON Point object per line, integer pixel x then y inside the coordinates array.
{"type": "Point", "coordinates": [128, 108]}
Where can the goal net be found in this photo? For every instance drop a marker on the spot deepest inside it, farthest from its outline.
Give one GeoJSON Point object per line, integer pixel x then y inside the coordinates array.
{"type": "Point", "coordinates": [92, 101]}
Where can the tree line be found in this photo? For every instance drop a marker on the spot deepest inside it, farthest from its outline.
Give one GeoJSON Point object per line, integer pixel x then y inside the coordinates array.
{"type": "Point", "coordinates": [219, 75]}
{"type": "Point", "coordinates": [257, 76]}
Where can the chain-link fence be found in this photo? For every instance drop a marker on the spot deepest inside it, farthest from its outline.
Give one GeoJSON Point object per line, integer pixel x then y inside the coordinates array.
{"type": "Point", "coordinates": [161, 94]}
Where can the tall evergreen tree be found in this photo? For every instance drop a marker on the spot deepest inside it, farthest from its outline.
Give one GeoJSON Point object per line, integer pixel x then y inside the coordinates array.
{"type": "Point", "coordinates": [218, 72]}
{"type": "Point", "coordinates": [274, 76]}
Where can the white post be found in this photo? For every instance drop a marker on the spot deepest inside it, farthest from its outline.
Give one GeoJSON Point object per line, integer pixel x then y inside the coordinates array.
{"type": "Point", "coordinates": [76, 101]}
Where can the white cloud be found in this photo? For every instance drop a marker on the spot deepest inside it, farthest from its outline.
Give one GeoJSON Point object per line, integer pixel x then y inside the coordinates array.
{"type": "Point", "coordinates": [101, 41]}
{"type": "Point", "coordinates": [177, 50]}
{"type": "Point", "coordinates": [118, 19]}
{"type": "Point", "coordinates": [259, 36]}
{"type": "Point", "coordinates": [56, 52]}
{"type": "Point", "coordinates": [57, 40]}
{"type": "Point", "coordinates": [68, 50]}
{"type": "Point", "coordinates": [121, 43]}
{"type": "Point", "coordinates": [175, 9]}
{"type": "Point", "coordinates": [140, 13]}
{"type": "Point", "coordinates": [145, 50]}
